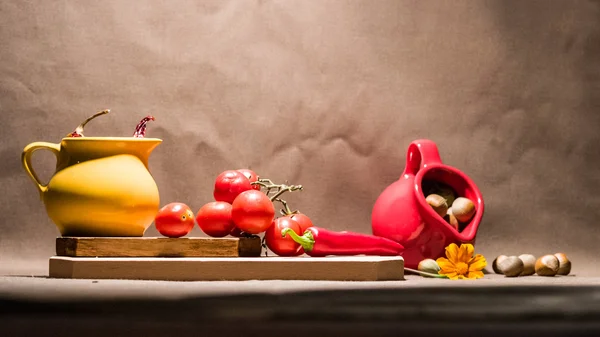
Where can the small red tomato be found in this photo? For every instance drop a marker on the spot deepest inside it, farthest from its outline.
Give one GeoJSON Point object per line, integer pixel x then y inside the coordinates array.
{"type": "Point", "coordinates": [304, 222]}
{"type": "Point", "coordinates": [252, 212]}
{"type": "Point", "coordinates": [174, 220]}
{"type": "Point", "coordinates": [283, 246]}
{"type": "Point", "coordinates": [229, 184]}
{"type": "Point", "coordinates": [236, 232]}
{"type": "Point", "coordinates": [214, 219]}
{"type": "Point", "coordinates": [252, 177]}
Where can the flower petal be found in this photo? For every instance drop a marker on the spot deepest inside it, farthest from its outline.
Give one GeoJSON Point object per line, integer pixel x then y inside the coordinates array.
{"type": "Point", "coordinates": [445, 265]}
{"type": "Point", "coordinates": [465, 252]}
{"type": "Point", "coordinates": [452, 276]}
{"type": "Point", "coordinates": [475, 274]}
{"type": "Point", "coordinates": [477, 263]}
{"type": "Point", "coordinates": [452, 252]}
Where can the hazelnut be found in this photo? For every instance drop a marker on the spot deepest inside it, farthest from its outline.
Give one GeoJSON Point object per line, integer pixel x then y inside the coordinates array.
{"type": "Point", "coordinates": [511, 266]}
{"type": "Point", "coordinates": [496, 262]}
{"type": "Point", "coordinates": [528, 264]}
{"type": "Point", "coordinates": [447, 193]}
{"type": "Point", "coordinates": [463, 209]}
{"type": "Point", "coordinates": [547, 265]}
{"type": "Point", "coordinates": [564, 265]}
{"type": "Point", "coordinates": [438, 203]}
{"type": "Point", "coordinates": [451, 219]}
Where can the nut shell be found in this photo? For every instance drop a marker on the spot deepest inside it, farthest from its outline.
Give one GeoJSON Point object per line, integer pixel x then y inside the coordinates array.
{"type": "Point", "coordinates": [528, 264]}
{"type": "Point", "coordinates": [447, 193]}
{"type": "Point", "coordinates": [438, 203]}
{"type": "Point", "coordinates": [451, 219]}
{"type": "Point", "coordinates": [463, 209]}
{"type": "Point", "coordinates": [564, 264]}
{"type": "Point", "coordinates": [496, 262]}
{"type": "Point", "coordinates": [429, 266]}
{"type": "Point", "coordinates": [511, 266]}
{"type": "Point", "coordinates": [547, 265]}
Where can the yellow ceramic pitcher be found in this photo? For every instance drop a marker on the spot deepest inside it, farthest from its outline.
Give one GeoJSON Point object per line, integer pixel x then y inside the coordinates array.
{"type": "Point", "coordinates": [101, 187]}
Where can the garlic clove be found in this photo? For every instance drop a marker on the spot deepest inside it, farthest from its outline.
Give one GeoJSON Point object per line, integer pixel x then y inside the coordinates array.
{"type": "Point", "coordinates": [564, 264]}
{"type": "Point", "coordinates": [528, 264]}
{"type": "Point", "coordinates": [463, 209]}
{"type": "Point", "coordinates": [498, 260]}
{"type": "Point", "coordinates": [511, 266]}
{"type": "Point", "coordinates": [438, 203]}
{"type": "Point", "coordinates": [547, 265]}
{"type": "Point", "coordinates": [429, 266]}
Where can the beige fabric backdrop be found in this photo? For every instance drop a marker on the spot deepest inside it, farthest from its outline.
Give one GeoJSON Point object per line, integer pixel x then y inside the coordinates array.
{"type": "Point", "coordinates": [327, 94]}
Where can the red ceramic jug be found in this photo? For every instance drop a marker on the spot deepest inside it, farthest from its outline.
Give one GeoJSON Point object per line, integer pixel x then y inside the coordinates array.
{"type": "Point", "coordinates": [402, 214]}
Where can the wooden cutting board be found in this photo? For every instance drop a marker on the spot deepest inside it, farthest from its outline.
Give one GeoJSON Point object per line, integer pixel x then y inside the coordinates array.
{"type": "Point", "coordinates": [157, 247]}
{"type": "Point", "coordinates": [351, 268]}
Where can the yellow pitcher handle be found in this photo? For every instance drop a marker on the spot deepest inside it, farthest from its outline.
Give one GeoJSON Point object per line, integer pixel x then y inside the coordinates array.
{"type": "Point", "coordinates": [26, 160]}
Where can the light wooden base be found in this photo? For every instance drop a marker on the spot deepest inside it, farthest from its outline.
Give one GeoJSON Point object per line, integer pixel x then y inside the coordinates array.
{"type": "Point", "coordinates": [355, 268]}
{"type": "Point", "coordinates": [157, 247]}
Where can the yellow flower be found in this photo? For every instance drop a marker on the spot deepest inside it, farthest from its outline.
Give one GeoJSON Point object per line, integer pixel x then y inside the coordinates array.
{"type": "Point", "coordinates": [460, 263]}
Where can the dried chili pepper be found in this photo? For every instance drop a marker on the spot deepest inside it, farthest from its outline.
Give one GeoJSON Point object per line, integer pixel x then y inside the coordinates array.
{"type": "Point", "coordinates": [140, 129]}
{"type": "Point", "coordinates": [79, 129]}
{"type": "Point", "coordinates": [319, 242]}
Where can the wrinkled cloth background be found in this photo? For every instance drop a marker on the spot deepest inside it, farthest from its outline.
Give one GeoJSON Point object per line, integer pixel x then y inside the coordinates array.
{"type": "Point", "coordinates": [327, 94]}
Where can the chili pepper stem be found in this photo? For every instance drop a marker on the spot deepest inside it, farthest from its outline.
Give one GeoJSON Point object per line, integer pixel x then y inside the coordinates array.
{"type": "Point", "coordinates": [79, 129]}
{"type": "Point", "coordinates": [306, 240]}
{"type": "Point", "coordinates": [422, 273]}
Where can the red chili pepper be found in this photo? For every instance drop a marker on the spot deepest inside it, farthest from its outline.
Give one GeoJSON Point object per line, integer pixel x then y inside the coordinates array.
{"type": "Point", "coordinates": [79, 129]}
{"type": "Point", "coordinates": [319, 242]}
{"type": "Point", "coordinates": [140, 129]}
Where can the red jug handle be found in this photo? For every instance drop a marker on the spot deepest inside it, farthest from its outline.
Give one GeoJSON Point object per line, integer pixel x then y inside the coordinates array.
{"type": "Point", "coordinates": [420, 153]}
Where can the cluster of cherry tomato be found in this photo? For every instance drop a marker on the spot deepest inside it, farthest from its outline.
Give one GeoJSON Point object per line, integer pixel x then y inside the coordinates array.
{"type": "Point", "coordinates": [243, 206]}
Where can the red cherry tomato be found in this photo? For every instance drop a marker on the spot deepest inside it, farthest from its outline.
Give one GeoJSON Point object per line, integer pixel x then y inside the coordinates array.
{"type": "Point", "coordinates": [214, 219]}
{"type": "Point", "coordinates": [252, 177]}
{"type": "Point", "coordinates": [304, 222]}
{"type": "Point", "coordinates": [174, 220]}
{"type": "Point", "coordinates": [236, 232]}
{"type": "Point", "coordinates": [229, 184]}
{"type": "Point", "coordinates": [283, 246]}
{"type": "Point", "coordinates": [252, 212]}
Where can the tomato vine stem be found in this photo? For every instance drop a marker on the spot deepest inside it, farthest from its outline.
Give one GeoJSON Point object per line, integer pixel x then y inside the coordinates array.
{"type": "Point", "coordinates": [281, 188]}
{"type": "Point", "coordinates": [266, 183]}
{"type": "Point", "coordinates": [286, 188]}
{"type": "Point", "coordinates": [286, 210]}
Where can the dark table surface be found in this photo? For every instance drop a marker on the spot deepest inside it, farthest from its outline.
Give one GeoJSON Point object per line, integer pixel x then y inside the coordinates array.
{"type": "Point", "coordinates": [495, 305]}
